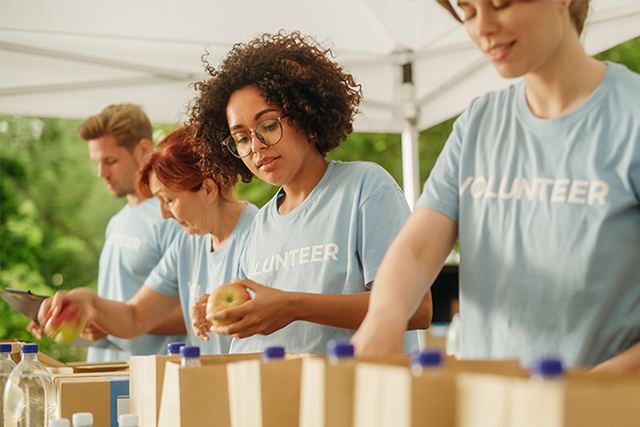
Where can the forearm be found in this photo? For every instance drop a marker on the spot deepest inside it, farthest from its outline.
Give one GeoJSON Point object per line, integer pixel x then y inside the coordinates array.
{"type": "Point", "coordinates": [148, 310]}
{"type": "Point", "coordinates": [348, 311]}
{"type": "Point", "coordinates": [626, 361]}
{"type": "Point", "coordinates": [341, 311]}
{"type": "Point", "coordinates": [119, 319]}
{"type": "Point", "coordinates": [173, 325]}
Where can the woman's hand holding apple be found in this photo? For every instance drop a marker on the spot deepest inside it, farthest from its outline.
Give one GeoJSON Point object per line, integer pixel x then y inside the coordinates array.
{"type": "Point", "coordinates": [199, 323]}
{"type": "Point", "coordinates": [268, 311]}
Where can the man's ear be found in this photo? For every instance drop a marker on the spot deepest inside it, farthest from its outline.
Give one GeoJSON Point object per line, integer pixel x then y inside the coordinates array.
{"type": "Point", "coordinates": [144, 149]}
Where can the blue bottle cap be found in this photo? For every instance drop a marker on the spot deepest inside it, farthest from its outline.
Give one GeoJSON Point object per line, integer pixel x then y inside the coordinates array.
{"type": "Point", "coordinates": [5, 348]}
{"type": "Point", "coordinates": [275, 352]}
{"type": "Point", "coordinates": [29, 348]}
{"type": "Point", "coordinates": [547, 366]}
{"type": "Point", "coordinates": [174, 347]}
{"type": "Point", "coordinates": [427, 358]}
{"type": "Point", "coordinates": [189, 351]}
{"type": "Point", "coordinates": [339, 348]}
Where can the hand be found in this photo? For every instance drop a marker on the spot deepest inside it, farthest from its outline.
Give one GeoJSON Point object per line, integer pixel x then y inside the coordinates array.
{"type": "Point", "coordinates": [199, 323]}
{"type": "Point", "coordinates": [379, 338]}
{"type": "Point", "coordinates": [92, 333]}
{"type": "Point", "coordinates": [268, 311]}
{"type": "Point", "coordinates": [35, 329]}
{"type": "Point", "coordinates": [82, 298]}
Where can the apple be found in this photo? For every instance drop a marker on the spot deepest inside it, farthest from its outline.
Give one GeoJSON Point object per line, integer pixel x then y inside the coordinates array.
{"type": "Point", "coordinates": [226, 296]}
{"type": "Point", "coordinates": [66, 325]}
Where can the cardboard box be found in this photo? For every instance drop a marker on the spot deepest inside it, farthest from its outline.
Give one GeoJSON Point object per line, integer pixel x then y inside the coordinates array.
{"type": "Point", "coordinates": [264, 394]}
{"type": "Point", "coordinates": [195, 397]}
{"type": "Point", "coordinates": [53, 366]}
{"type": "Point", "coordinates": [581, 400]}
{"type": "Point", "coordinates": [106, 396]}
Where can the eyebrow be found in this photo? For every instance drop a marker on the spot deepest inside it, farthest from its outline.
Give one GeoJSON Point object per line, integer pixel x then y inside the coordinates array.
{"type": "Point", "coordinates": [255, 118]}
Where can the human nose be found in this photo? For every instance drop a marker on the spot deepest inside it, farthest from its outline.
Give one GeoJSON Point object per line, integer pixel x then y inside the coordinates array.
{"type": "Point", "coordinates": [102, 171]}
{"type": "Point", "coordinates": [485, 22]}
{"type": "Point", "coordinates": [256, 142]}
{"type": "Point", "coordinates": [165, 211]}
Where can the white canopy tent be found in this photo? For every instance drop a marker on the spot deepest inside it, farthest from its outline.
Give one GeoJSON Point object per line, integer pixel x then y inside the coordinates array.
{"type": "Point", "coordinates": [71, 58]}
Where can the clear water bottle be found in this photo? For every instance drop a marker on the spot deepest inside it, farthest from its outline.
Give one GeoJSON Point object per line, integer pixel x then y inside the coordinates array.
{"type": "Point", "coordinates": [273, 353]}
{"type": "Point", "coordinates": [546, 369]}
{"type": "Point", "coordinates": [452, 340]}
{"type": "Point", "coordinates": [62, 422]}
{"type": "Point", "coordinates": [82, 419]}
{"type": "Point", "coordinates": [190, 356]}
{"type": "Point", "coordinates": [173, 348]}
{"type": "Point", "coordinates": [29, 396]}
{"type": "Point", "coordinates": [6, 366]}
{"type": "Point", "coordinates": [339, 352]}
{"type": "Point", "coordinates": [428, 360]}
{"type": "Point", "coordinates": [128, 420]}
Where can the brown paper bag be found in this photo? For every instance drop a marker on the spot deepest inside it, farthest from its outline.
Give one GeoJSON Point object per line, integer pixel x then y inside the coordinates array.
{"type": "Point", "coordinates": [264, 394]}
{"type": "Point", "coordinates": [193, 397]}
{"type": "Point", "coordinates": [580, 400]}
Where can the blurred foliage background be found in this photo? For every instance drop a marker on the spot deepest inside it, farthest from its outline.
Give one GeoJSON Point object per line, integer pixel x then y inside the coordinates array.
{"type": "Point", "coordinates": [54, 211]}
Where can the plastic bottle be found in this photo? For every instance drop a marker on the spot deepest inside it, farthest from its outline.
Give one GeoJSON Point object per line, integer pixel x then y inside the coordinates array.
{"type": "Point", "coordinates": [452, 341]}
{"type": "Point", "coordinates": [62, 422]}
{"type": "Point", "coordinates": [128, 420]}
{"type": "Point", "coordinates": [6, 366]}
{"type": "Point", "coordinates": [426, 360]}
{"type": "Point", "coordinates": [273, 353]}
{"type": "Point", "coordinates": [173, 348]}
{"type": "Point", "coordinates": [29, 396]}
{"type": "Point", "coordinates": [190, 356]}
{"type": "Point", "coordinates": [82, 419]}
{"type": "Point", "coordinates": [546, 369]}
{"type": "Point", "coordinates": [339, 352]}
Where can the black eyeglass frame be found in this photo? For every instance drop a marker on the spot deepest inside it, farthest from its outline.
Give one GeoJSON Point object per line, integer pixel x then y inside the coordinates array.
{"type": "Point", "coordinates": [254, 131]}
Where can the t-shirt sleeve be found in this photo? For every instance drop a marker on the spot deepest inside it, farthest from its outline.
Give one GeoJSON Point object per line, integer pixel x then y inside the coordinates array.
{"type": "Point", "coordinates": [382, 216]}
{"type": "Point", "coordinates": [170, 230]}
{"type": "Point", "coordinates": [164, 277]}
{"type": "Point", "coordinates": [440, 192]}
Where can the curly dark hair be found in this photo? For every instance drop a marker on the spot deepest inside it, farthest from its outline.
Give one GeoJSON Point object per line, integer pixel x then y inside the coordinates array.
{"type": "Point", "coordinates": [293, 72]}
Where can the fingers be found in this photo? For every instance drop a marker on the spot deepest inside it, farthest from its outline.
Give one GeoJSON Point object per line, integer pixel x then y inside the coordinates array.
{"type": "Point", "coordinates": [44, 313]}
{"type": "Point", "coordinates": [35, 329]}
{"type": "Point", "coordinates": [199, 323]}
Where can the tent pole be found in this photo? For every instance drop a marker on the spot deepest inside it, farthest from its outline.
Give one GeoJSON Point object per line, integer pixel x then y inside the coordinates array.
{"type": "Point", "coordinates": [410, 166]}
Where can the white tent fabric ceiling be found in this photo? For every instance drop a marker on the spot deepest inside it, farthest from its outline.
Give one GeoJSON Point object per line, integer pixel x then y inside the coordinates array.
{"type": "Point", "coordinates": [71, 58]}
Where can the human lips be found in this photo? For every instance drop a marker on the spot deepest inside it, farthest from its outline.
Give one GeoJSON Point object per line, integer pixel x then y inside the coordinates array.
{"type": "Point", "coordinates": [267, 163]}
{"type": "Point", "coordinates": [497, 52]}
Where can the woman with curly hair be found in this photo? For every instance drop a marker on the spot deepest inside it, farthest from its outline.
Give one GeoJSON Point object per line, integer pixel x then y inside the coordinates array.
{"type": "Point", "coordinates": [279, 104]}
{"type": "Point", "coordinates": [217, 226]}
{"type": "Point", "coordinates": [540, 184]}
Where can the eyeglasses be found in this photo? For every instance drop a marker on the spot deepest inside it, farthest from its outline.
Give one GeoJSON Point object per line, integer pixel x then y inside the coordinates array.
{"type": "Point", "coordinates": [268, 131]}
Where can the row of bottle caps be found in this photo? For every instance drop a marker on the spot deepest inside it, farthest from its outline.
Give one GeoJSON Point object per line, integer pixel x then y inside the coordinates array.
{"type": "Point", "coordinates": [337, 351]}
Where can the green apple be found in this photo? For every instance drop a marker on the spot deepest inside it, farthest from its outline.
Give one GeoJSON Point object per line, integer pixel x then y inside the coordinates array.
{"type": "Point", "coordinates": [226, 296]}
{"type": "Point", "coordinates": [66, 325]}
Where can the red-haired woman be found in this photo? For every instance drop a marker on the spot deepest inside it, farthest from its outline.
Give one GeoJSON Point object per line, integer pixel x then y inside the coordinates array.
{"type": "Point", "coordinates": [217, 226]}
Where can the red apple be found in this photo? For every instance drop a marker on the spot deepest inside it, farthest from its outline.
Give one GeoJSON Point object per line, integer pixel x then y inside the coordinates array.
{"type": "Point", "coordinates": [66, 325]}
{"type": "Point", "coordinates": [226, 296]}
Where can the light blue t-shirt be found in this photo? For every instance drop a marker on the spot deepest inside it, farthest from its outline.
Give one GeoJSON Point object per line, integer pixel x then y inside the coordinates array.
{"type": "Point", "coordinates": [136, 239]}
{"type": "Point", "coordinates": [190, 268]}
{"type": "Point", "coordinates": [332, 243]}
{"type": "Point", "coordinates": [548, 213]}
